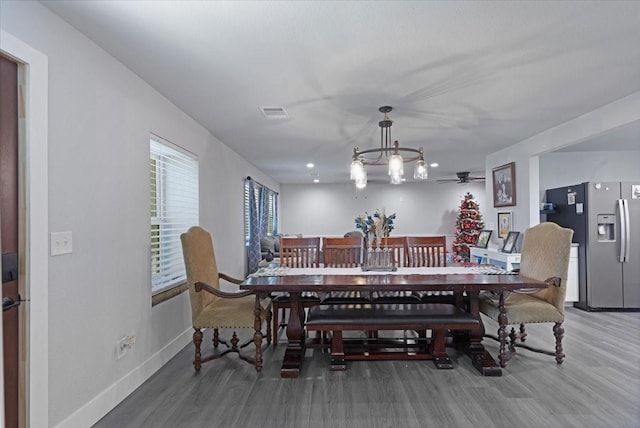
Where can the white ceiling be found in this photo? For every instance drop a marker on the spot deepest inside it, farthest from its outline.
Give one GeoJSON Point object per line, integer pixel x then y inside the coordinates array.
{"type": "Point", "coordinates": [465, 78]}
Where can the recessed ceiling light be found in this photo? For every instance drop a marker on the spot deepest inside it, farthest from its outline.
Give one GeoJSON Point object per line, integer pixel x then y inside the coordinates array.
{"type": "Point", "coordinates": [310, 165]}
{"type": "Point", "coordinates": [433, 165]}
{"type": "Point", "coordinates": [316, 181]}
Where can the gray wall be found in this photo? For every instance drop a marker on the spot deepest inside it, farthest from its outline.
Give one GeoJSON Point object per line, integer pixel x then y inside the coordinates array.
{"type": "Point", "coordinates": [566, 168]}
{"type": "Point", "coordinates": [425, 208]}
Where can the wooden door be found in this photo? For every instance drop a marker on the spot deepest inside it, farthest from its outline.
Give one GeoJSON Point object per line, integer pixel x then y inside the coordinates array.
{"type": "Point", "coordinates": [9, 234]}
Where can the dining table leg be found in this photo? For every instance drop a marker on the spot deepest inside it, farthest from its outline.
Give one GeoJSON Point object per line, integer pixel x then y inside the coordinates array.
{"type": "Point", "coordinates": [503, 321]}
{"type": "Point", "coordinates": [294, 354]}
{"type": "Point", "coordinates": [257, 336]}
{"type": "Point", "coordinates": [480, 357]}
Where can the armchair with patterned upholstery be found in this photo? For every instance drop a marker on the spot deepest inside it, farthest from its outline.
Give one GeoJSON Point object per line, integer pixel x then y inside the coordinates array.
{"type": "Point", "coordinates": [544, 257]}
{"type": "Point", "coordinates": [216, 309]}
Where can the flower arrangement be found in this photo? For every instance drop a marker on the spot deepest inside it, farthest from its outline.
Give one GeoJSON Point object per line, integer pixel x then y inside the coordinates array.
{"type": "Point", "coordinates": [378, 225]}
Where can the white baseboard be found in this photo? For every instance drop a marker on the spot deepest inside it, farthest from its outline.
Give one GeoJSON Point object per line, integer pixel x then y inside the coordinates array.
{"type": "Point", "coordinates": [104, 402]}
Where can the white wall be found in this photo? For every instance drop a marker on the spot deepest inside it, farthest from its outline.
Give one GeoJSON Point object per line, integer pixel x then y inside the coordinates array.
{"type": "Point", "coordinates": [424, 208]}
{"type": "Point", "coordinates": [100, 117]}
{"type": "Point", "coordinates": [560, 169]}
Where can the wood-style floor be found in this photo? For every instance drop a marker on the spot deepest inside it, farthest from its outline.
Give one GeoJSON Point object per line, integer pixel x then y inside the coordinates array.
{"type": "Point", "coordinates": [597, 386]}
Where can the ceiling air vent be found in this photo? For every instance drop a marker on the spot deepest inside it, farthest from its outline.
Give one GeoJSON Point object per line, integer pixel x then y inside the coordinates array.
{"type": "Point", "coordinates": [274, 113]}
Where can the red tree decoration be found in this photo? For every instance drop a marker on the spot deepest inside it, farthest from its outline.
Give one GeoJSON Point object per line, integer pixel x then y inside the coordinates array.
{"type": "Point", "coordinates": [468, 227]}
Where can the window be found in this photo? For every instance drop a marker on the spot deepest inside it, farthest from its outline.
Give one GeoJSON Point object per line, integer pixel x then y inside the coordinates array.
{"type": "Point", "coordinates": [266, 204]}
{"type": "Point", "coordinates": [174, 208]}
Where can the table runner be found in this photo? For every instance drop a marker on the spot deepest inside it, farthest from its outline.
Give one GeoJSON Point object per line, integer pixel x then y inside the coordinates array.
{"type": "Point", "coordinates": [286, 271]}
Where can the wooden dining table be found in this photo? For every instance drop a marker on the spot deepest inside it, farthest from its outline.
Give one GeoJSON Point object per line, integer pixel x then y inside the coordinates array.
{"type": "Point", "coordinates": [468, 280]}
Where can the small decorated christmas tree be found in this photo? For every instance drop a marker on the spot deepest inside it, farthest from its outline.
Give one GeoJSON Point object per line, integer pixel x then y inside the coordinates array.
{"type": "Point", "coordinates": [468, 227]}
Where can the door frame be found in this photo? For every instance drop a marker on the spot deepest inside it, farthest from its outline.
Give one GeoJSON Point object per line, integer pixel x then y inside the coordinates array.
{"type": "Point", "coordinates": [33, 146]}
{"type": "Point", "coordinates": [2, 416]}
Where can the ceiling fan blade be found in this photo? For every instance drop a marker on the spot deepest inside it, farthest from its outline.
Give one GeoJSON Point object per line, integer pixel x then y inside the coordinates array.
{"type": "Point", "coordinates": [463, 177]}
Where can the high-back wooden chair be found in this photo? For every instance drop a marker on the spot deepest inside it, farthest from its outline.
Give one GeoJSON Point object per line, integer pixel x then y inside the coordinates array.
{"type": "Point", "coordinates": [545, 257]}
{"type": "Point", "coordinates": [300, 252]}
{"type": "Point", "coordinates": [295, 253]}
{"type": "Point", "coordinates": [215, 309]}
{"type": "Point", "coordinates": [396, 245]}
{"type": "Point", "coordinates": [430, 251]}
{"type": "Point", "coordinates": [342, 252]}
{"type": "Point", "coordinates": [426, 251]}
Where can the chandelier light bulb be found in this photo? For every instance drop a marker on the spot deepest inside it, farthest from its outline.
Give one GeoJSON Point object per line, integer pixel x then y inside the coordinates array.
{"type": "Point", "coordinates": [420, 172]}
{"type": "Point", "coordinates": [357, 170]}
{"type": "Point", "coordinates": [387, 154]}
{"type": "Point", "coordinates": [396, 165]}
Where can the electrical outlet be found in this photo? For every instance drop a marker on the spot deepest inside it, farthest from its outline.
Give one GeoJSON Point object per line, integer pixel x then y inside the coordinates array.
{"type": "Point", "coordinates": [131, 341]}
{"type": "Point", "coordinates": [61, 243]}
{"type": "Point", "coordinates": [123, 345]}
{"type": "Point", "coordinates": [121, 349]}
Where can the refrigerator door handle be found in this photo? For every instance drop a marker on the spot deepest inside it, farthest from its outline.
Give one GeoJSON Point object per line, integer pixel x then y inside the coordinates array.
{"type": "Point", "coordinates": [627, 248]}
{"type": "Point", "coordinates": [623, 230]}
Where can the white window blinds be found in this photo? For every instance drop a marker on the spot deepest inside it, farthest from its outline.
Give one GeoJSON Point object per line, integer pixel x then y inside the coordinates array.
{"type": "Point", "coordinates": [269, 204]}
{"type": "Point", "coordinates": [174, 208]}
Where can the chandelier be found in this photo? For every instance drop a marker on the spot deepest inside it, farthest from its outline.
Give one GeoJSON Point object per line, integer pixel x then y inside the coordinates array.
{"type": "Point", "coordinates": [387, 154]}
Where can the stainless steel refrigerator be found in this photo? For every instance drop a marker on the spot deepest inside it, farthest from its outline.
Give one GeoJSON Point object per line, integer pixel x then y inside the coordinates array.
{"type": "Point", "coordinates": [605, 218]}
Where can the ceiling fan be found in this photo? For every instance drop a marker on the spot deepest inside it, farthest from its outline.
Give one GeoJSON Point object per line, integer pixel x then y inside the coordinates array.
{"type": "Point", "coordinates": [463, 177]}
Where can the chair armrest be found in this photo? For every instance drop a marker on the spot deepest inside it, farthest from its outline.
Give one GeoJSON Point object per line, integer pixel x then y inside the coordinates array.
{"type": "Point", "coordinates": [554, 280]}
{"type": "Point", "coordinates": [229, 278]}
{"type": "Point", "coordinates": [199, 286]}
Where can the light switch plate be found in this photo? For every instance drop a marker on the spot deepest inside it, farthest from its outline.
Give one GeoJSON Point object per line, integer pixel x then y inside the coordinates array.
{"type": "Point", "coordinates": [61, 243]}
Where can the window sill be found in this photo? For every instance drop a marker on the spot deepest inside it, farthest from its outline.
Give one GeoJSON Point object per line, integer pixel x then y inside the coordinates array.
{"type": "Point", "coordinates": [169, 293]}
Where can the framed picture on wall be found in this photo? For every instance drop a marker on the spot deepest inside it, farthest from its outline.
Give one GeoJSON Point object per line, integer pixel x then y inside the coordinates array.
{"type": "Point", "coordinates": [510, 242]}
{"type": "Point", "coordinates": [504, 185]}
{"type": "Point", "coordinates": [504, 224]}
{"type": "Point", "coordinates": [483, 238]}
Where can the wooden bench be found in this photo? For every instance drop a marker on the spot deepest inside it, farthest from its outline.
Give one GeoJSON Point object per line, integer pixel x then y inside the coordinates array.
{"type": "Point", "coordinates": [437, 317]}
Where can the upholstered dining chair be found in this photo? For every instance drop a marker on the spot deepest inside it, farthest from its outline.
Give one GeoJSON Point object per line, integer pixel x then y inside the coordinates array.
{"type": "Point", "coordinates": [297, 253]}
{"type": "Point", "coordinates": [544, 257]}
{"type": "Point", "coordinates": [216, 309]}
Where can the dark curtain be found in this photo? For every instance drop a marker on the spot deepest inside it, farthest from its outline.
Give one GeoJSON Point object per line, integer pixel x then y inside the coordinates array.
{"type": "Point", "coordinates": [259, 197]}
